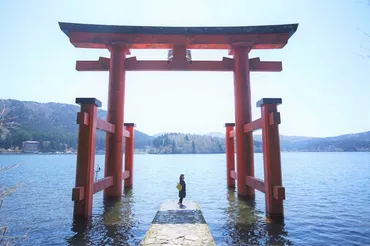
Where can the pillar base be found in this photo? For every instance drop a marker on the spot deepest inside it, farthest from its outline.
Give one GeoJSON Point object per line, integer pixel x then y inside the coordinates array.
{"type": "Point", "coordinates": [276, 218]}
{"type": "Point", "coordinates": [112, 198]}
{"type": "Point", "coordinates": [246, 197]}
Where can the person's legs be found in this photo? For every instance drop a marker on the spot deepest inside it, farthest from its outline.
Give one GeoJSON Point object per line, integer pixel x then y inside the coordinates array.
{"type": "Point", "coordinates": [180, 201]}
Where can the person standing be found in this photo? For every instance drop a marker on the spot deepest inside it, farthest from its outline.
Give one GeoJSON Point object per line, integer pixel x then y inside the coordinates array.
{"type": "Point", "coordinates": [182, 192]}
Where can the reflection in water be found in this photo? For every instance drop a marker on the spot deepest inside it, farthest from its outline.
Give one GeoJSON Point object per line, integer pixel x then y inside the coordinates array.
{"type": "Point", "coordinates": [113, 227]}
{"type": "Point", "coordinates": [245, 225]}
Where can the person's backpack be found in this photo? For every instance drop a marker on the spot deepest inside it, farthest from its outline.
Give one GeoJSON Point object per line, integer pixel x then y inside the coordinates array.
{"type": "Point", "coordinates": [179, 186]}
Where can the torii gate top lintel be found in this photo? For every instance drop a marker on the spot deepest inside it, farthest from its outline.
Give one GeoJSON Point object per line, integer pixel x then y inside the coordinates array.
{"type": "Point", "coordinates": [178, 40]}
{"type": "Point", "coordinates": [161, 37]}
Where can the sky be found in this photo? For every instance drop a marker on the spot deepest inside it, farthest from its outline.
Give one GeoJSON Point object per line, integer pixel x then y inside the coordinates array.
{"type": "Point", "coordinates": [324, 85]}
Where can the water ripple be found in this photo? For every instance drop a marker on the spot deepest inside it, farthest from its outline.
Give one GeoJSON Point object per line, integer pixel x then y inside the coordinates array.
{"type": "Point", "coordinates": [327, 201]}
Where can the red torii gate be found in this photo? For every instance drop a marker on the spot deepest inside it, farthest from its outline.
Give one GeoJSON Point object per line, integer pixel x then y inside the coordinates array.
{"type": "Point", "coordinates": [119, 40]}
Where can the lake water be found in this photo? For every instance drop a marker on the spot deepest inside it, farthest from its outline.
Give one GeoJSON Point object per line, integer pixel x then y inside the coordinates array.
{"type": "Point", "coordinates": [327, 200]}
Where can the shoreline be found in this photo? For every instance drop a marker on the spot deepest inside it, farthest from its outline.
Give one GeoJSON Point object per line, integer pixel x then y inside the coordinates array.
{"type": "Point", "coordinates": [143, 153]}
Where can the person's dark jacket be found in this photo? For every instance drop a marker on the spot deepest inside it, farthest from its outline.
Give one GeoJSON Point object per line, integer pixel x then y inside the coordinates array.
{"type": "Point", "coordinates": [182, 192]}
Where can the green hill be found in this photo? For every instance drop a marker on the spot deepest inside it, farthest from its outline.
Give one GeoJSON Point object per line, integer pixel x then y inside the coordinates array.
{"type": "Point", "coordinates": [52, 124]}
{"type": "Point", "coordinates": [179, 143]}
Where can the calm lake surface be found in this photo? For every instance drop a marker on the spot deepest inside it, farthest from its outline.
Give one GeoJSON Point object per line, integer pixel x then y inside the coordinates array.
{"type": "Point", "coordinates": [327, 200]}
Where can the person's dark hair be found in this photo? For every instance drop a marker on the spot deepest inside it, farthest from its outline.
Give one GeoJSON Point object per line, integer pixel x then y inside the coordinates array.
{"type": "Point", "coordinates": [180, 177]}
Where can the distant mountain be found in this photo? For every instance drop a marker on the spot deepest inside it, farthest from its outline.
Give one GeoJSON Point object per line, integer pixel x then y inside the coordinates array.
{"type": "Point", "coordinates": [347, 142]}
{"type": "Point", "coordinates": [160, 134]}
{"type": "Point", "coordinates": [179, 143]}
{"type": "Point", "coordinates": [52, 124]}
{"type": "Point", "coordinates": [215, 134]}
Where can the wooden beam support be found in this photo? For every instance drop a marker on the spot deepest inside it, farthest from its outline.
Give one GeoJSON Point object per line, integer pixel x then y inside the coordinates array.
{"type": "Point", "coordinates": [82, 118]}
{"type": "Point", "coordinates": [125, 174]}
{"type": "Point", "coordinates": [232, 134]}
{"type": "Point", "coordinates": [102, 64]}
{"type": "Point", "coordinates": [233, 175]}
{"type": "Point", "coordinates": [257, 65]}
{"type": "Point", "coordinates": [132, 64]}
{"type": "Point", "coordinates": [255, 183]}
{"type": "Point", "coordinates": [105, 126]}
{"type": "Point", "coordinates": [230, 155]}
{"type": "Point", "coordinates": [85, 157]}
{"type": "Point", "coordinates": [129, 155]}
{"type": "Point", "coordinates": [271, 157]}
{"type": "Point", "coordinates": [274, 118]}
{"type": "Point", "coordinates": [178, 64]}
{"type": "Point", "coordinates": [126, 134]}
{"type": "Point", "coordinates": [78, 194]}
{"type": "Point", "coordinates": [278, 192]}
{"type": "Point", "coordinates": [103, 183]}
{"type": "Point", "coordinates": [115, 115]}
{"type": "Point", "coordinates": [252, 126]}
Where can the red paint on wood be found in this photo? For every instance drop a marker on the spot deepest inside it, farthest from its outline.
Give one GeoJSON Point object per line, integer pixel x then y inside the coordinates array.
{"type": "Point", "coordinates": [126, 134]}
{"type": "Point", "coordinates": [102, 184]}
{"type": "Point", "coordinates": [105, 126]}
{"type": "Point", "coordinates": [252, 126]}
{"type": "Point", "coordinates": [208, 41]}
{"type": "Point", "coordinates": [233, 175]}
{"type": "Point", "coordinates": [265, 66]}
{"type": "Point", "coordinates": [101, 65]}
{"type": "Point", "coordinates": [271, 162]}
{"type": "Point", "coordinates": [232, 134]}
{"type": "Point", "coordinates": [274, 118]}
{"type": "Point", "coordinates": [86, 160]}
{"type": "Point", "coordinates": [230, 157]}
{"type": "Point", "coordinates": [78, 194]}
{"type": "Point", "coordinates": [82, 118]}
{"type": "Point", "coordinates": [178, 66]}
{"type": "Point", "coordinates": [125, 174]}
{"type": "Point", "coordinates": [132, 64]}
{"type": "Point", "coordinates": [278, 192]}
{"type": "Point", "coordinates": [115, 116]}
{"type": "Point", "coordinates": [129, 157]}
{"type": "Point", "coordinates": [243, 115]}
{"type": "Point", "coordinates": [256, 183]}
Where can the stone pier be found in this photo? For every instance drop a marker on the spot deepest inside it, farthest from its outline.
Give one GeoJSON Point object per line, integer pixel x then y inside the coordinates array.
{"type": "Point", "coordinates": [173, 225]}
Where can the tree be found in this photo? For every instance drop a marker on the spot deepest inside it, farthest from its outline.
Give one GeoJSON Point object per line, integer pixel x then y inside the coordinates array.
{"type": "Point", "coordinates": [173, 147]}
{"type": "Point", "coordinates": [192, 147]}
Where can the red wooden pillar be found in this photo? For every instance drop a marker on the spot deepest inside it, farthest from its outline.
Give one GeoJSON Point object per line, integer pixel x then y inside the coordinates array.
{"type": "Point", "coordinates": [114, 141]}
{"type": "Point", "coordinates": [230, 155]}
{"type": "Point", "coordinates": [274, 192]}
{"type": "Point", "coordinates": [243, 115]}
{"type": "Point", "coordinates": [129, 154]}
{"type": "Point", "coordinates": [82, 194]}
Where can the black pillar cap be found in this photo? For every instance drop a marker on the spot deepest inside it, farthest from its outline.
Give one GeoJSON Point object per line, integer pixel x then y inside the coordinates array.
{"type": "Point", "coordinates": [229, 124]}
{"type": "Point", "coordinates": [269, 101]}
{"type": "Point", "coordinates": [88, 100]}
{"type": "Point", "coordinates": [129, 124]}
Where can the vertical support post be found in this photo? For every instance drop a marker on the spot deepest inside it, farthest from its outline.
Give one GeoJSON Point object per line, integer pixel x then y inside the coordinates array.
{"type": "Point", "coordinates": [230, 155]}
{"type": "Point", "coordinates": [243, 115]}
{"type": "Point", "coordinates": [129, 154]}
{"type": "Point", "coordinates": [271, 157]}
{"type": "Point", "coordinates": [114, 141]}
{"type": "Point", "coordinates": [86, 119]}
